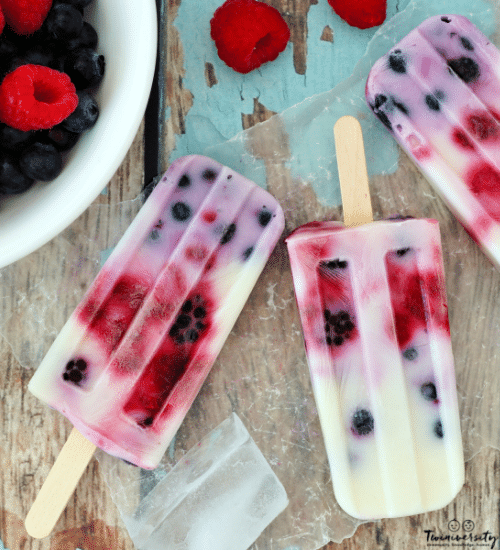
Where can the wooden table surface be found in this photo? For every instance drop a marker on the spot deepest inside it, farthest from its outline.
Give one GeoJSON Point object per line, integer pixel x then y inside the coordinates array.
{"type": "Point", "coordinates": [32, 435]}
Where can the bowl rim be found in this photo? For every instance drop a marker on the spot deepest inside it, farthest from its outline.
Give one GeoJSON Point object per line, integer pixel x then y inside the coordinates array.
{"type": "Point", "coordinates": [61, 218]}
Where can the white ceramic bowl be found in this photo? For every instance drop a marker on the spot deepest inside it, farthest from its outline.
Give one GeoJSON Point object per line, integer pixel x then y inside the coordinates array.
{"type": "Point", "coordinates": [127, 37]}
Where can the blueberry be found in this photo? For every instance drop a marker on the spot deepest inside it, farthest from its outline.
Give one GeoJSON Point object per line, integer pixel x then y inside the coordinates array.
{"type": "Point", "coordinates": [188, 324]}
{"type": "Point", "coordinates": [362, 422]}
{"type": "Point", "coordinates": [20, 41]}
{"type": "Point", "coordinates": [41, 161]}
{"type": "Point", "coordinates": [200, 312]}
{"type": "Point", "coordinates": [397, 62]}
{"type": "Point", "coordinates": [63, 139]}
{"type": "Point", "coordinates": [265, 217]}
{"type": "Point", "coordinates": [402, 107]}
{"type": "Point", "coordinates": [68, 2]}
{"type": "Point", "coordinates": [12, 65]}
{"type": "Point", "coordinates": [380, 99]}
{"type": "Point", "coordinates": [64, 22]}
{"type": "Point", "coordinates": [432, 102]}
{"type": "Point", "coordinates": [84, 116]}
{"type": "Point", "coordinates": [209, 175]}
{"type": "Point", "coordinates": [41, 55]}
{"type": "Point", "coordinates": [228, 233]}
{"type": "Point", "coordinates": [76, 3]}
{"type": "Point", "coordinates": [181, 211]}
{"type": "Point", "coordinates": [466, 43]}
{"type": "Point", "coordinates": [384, 119]}
{"type": "Point", "coordinates": [183, 321]}
{"type": "Point", "coordinates": [12, 179]}
{"type": "Point", "coordinates": [335, 264]}
{"type": "Point", "coordinates": [7, 49]}
{"type": "Point", "coordinates": [185, 181]}
{"type": "Point", "coordinates": [438, 429]}
{"type": "Point", "coordinates": [81, 364]}
{"type": "Point", "coordinates": [465, 68]}
{"type": "Point", "coordinates": [247, 253]}
{"type": "Point", "coordinates": [155, 233]}
{"type": "Point", "coordinates": [147, 421]}
{"type": "Point", "coordinates": [85, 67]}
{"type": "Point", "coordinates": [13, 139]}
{"type": "Point", "coordinates": [338, 327]}
{"type": "Point", "coordinates": [88, 38]}
{"type": "Point", "coordinates": [174, 330]}
{"type": "Point", "coordinates": [411, 354]}
{"type": "Point", "coordinates": [342, 322]}
{"type": "Point", "coordinates": [75, 371]}
{"type": "Point", "coordinates": [428, 391]}
{"type": "Point", "coordinates": [402, 251]}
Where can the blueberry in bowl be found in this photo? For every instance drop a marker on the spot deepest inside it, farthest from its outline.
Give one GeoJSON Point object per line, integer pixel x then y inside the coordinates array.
{"type": "Point", "coordinates": [37, 211]}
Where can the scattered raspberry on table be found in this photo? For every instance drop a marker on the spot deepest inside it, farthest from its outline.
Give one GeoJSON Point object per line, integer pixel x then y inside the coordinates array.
{"type": "Point", "coordinates": [248, 33]}
{"type": "Point", "coordinates": [360, 13]}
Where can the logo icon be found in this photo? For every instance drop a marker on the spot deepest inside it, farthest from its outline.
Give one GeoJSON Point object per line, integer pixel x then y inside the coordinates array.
{"type": "Point", "coordinates": [468, 525]}
{"type": "Point", "coordinates": [454, 525]}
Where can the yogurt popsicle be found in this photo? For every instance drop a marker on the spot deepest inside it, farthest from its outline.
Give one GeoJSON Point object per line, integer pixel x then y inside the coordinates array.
{"type": "Point", "coordinates": [372, 304]}
{"type": "Point", "coordinates": [132, 357]}
{"type": "Point", "coordinates": [437, 91]}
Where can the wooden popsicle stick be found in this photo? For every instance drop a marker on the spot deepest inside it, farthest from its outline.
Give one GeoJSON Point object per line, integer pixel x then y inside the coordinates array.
{"type": "Point", "coordinates": [351, 163]}
{"type": "Point", "coordinates": [59, 485]}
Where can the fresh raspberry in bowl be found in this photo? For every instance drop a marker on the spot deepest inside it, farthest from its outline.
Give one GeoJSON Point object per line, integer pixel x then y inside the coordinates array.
{"type": "Point", "coordinates": [34, 97]}
{"type": "Point", "coordinates": [48, 63]}
{"type": "Point", "coordinates": [33, 211]}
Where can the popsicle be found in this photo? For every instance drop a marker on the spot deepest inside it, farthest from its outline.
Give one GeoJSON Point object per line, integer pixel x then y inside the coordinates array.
{"type": "Point", "coordinates": [132, 357]}
{"type": "Point", "coordinates": [437, 91]}
{"type": "Point", "coordinates": [372, 303]}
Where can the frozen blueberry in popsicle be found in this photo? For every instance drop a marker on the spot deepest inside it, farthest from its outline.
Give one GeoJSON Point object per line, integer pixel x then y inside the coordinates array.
{"type": "Point", "coordinates": [132, 357]}
{"type": "Point", "coordinates": [450, 123]}
{"type": "Point", "coordinates": [372, 303]}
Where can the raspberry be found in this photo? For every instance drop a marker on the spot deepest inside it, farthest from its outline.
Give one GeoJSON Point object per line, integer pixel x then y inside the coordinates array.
{"type": "Point", "coordinates": [25, 16]}
{"type": "Point", "coordinates": [2, 20]}
{"type": "Point", "coordinates": [248, 33]}
{"type": "Point", "coordinates": [364, 14]}
{"type": "Point", "coordinates": [34, 97]}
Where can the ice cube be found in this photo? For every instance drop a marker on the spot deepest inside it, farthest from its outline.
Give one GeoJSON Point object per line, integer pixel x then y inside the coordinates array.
{"type": "Point", "coordinates": [221, 495]}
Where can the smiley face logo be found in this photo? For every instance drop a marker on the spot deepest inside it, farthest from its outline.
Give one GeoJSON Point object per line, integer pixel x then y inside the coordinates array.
{"type": "Point", "coordinates": [468, 525]}
{"type": "Point", "coordinates": [454, 525]}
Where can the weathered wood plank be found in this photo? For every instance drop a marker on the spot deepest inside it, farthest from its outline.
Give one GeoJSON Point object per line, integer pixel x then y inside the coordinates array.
{"type": "Point", "coordinates": [32, 436]}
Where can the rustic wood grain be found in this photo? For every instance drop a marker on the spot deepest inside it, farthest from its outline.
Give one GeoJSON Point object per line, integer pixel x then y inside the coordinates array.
{"type": "Point", "coordinates": [32, 436]}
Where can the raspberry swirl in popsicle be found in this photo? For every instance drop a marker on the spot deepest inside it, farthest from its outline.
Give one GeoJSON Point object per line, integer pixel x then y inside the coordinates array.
{"type": "Point", "coordinates": [132, 357]}
{"type": "Point", "coordinates": [437, 91]}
